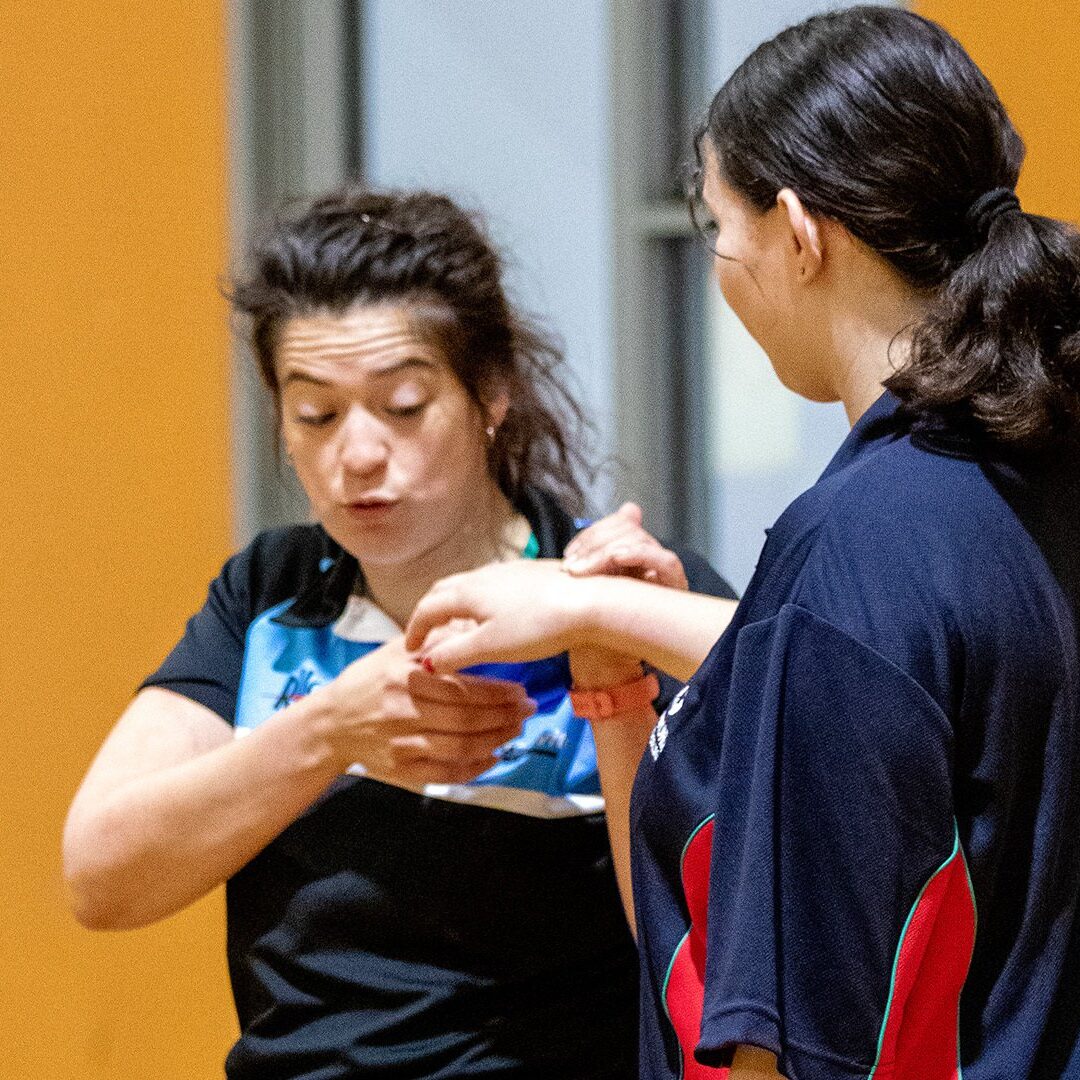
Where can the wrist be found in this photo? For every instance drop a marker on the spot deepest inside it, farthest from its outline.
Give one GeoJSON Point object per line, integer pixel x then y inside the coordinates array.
{"type": "Point", "coordinates": [583, 610]}
{"type": "Point", "coordinates": [317, 720]}
{"type": "Point", "coordinates": [597, 669]}
{"type": "Point", "coordinates": [627, 699]}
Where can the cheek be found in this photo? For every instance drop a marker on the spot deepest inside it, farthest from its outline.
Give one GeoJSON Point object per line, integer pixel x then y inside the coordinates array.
{"type": "Point", "coordinates": [742, 294]}
{"type": "Point", "coordinates": [313, 467]}
{"type": "Point", "coordinates": [446, 458]}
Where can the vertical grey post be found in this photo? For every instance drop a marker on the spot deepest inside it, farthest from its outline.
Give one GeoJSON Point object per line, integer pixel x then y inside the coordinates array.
{"type": "Point", "coordinates": [643, 319]}
{"type": "Point", "coordinates": [659, 366]}
{"type": "Point", "coordinates": [293, 108]}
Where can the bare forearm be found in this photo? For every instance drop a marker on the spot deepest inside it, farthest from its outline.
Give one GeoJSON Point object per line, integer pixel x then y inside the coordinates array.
{"type": "Point", "coordinates": [753, 1063]}
{"type": "Point", "coordinates": [619, 746]}
{"type": "Point", "coordinates": [668, 628]}
{"type": "Point", "coordinates": [143, 849]}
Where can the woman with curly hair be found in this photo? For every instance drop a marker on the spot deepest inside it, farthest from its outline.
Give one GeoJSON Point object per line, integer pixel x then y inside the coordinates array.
{"type": "Point", "coordinates": [419, 877]}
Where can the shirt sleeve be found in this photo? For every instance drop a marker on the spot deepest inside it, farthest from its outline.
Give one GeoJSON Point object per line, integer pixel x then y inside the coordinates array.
{"type": "Point", "coordinates": [206, 662]}
{"type": "Point", "coordinates": [701, 578]}
{"type": "Point", "coordinates": [840, 919]}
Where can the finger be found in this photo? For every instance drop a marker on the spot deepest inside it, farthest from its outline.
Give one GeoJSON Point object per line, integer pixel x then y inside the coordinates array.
{"type": "Point", "coordinates": [607, 529]}
{"type": "Point", "coordinates": [449, 749]}
{"type": "Point", "coordinates": [466, 649]}
{"type": "Point", "coordinates": [627, 514]}
{"type": "Point", "coordinates": [442, 604]}
{"type": "Point", "coordinates": [479, 723]}
{"type": "Point", "coordinates": [454, 626]}
{"type": "Point", "coordinates": [603, 530]}
{"type": "Point", "coordinates": [648, 562]}
{"type": "Point", "coordinates": [656, 565]}
{"type": "Point", "coordinates": [665, 567]}
{"type": "Point", "coordinates": [472, 690]}
{"type": "Point", "coordinates": [614, 559]}
{"type": "Point", "coordinates": [619, 534]}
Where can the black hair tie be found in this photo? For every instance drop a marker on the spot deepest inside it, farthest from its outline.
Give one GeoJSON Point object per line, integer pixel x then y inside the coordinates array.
{"type": "Point", "coordinates": [986, 209]}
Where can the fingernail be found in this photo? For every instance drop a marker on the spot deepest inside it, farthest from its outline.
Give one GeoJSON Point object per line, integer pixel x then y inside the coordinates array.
{"type": "Point", "coordinates": [427, 665]}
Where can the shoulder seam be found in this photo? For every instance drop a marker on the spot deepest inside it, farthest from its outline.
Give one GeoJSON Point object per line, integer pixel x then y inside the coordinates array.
{"type": "Point", "coordinates": [862, 645]}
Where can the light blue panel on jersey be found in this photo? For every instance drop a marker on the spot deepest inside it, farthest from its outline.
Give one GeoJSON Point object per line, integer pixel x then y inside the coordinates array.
{"type": "Point", "coordinates": [554, 754]}
{"type": "Point", "coordinates": [285, 663]}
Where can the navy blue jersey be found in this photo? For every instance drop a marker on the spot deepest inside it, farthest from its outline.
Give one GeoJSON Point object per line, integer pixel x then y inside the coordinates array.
{"type": "Point", "coordinates": [466, 930]}
{"type": "Point", "coordinates": [855, 830]}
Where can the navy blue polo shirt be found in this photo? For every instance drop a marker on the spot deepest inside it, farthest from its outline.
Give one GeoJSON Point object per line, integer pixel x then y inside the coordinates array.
{"type": "Point", "coordinates": [466, 930]}
{"type": "Point", "coordinates": [856, 838]}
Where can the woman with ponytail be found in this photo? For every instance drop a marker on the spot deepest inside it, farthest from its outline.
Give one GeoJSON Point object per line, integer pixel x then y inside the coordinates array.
{"type": "Point", "coordinates": [854, 835]}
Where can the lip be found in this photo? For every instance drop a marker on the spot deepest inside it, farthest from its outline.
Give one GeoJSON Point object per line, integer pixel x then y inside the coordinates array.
{"type": "Point", "coordinates": [371, 506]}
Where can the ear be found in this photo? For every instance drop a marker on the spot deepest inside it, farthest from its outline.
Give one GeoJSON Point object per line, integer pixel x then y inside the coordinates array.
{"type": "Point", "coordinates": [495, 406]}
{"type": "Point", "coordinates": [807, 237]}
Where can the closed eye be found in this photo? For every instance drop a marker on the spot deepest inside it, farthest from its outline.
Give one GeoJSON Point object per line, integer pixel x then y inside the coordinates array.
{"type": "Point", "coordinates": [315, 419]}
{"type": "Point", "coordinates": [407, 410]}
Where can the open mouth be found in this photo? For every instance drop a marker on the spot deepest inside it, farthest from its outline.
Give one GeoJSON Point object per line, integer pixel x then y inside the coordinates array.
{"type": "Point", "coordinates": [371, 505]}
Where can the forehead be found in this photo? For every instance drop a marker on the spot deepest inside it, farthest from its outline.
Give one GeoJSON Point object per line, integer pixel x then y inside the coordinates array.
{"type": "Point", "coordinates": [356, 343]}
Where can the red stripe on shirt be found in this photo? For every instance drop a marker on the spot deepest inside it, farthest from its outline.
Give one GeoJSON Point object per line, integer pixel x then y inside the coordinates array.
{"type": "Point", "coordinates": [920, 1033]}
{"type": "Point", "coordinates": [920, 1036]}
{"type": "Point", "coordinates": [684, 993]}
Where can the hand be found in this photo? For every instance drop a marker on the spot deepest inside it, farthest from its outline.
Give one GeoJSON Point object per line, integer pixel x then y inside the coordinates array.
{"type": "Point", "coordinates": [617, 544]}
{"type": "Point", "coordinates": [410, 727]}
{"type": "Point", "coordinates": [521, 610]}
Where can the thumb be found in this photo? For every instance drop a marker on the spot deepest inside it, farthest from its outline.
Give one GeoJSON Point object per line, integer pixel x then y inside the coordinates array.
{"type": "Point", "coordinates": [631, 512]}
{"type": "Point", "coordinates": [440, 608]}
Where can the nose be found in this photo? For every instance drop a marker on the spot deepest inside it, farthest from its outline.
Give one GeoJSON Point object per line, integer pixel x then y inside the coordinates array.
{"type": "Point", "coordinates": [363, 449]}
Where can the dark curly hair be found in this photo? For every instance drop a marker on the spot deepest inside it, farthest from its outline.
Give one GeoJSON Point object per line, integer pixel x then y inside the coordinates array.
{"type": "Point", "coordinates": [878, 119]}
{"type": "Point", "coordinates": [419, 249]}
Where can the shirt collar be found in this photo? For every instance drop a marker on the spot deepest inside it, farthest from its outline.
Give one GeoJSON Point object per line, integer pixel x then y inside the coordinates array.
{"type": "Point", "coordinates": [881, 423]}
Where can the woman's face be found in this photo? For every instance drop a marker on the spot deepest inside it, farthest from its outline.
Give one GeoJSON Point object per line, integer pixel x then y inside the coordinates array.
{"type": "Point", "coordinates": [389, 446]}
{"type": "Point", "coordinates": [756, 266]}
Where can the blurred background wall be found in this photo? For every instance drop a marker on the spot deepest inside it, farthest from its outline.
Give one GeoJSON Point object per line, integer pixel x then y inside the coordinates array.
{"type": "Point", "coordinates": [117, 503]}
{"type": "Point", "coordinates": [139, 145]}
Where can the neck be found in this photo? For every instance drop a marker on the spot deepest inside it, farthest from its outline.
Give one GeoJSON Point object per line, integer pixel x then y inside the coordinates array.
{"type": "Point", "coordinates": [864, 364]}
{"type": "Point", "coordinates": [871, 341]}
{"type": "Point", "coordinates": [484, 536]}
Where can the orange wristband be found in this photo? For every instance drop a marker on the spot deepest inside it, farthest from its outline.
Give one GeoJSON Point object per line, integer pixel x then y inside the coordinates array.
{"type": "Point", "coordinates": [610, 702]}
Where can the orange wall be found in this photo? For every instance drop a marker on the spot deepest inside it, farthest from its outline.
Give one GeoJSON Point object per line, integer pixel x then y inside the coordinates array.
{"type": "Point", "coordinates": [1028, 50]}
{"type": "Point", "coordinates": [113, 437]}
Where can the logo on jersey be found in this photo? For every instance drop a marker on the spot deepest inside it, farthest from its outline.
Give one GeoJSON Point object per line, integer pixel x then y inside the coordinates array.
{"type": "Point", "coordinates": [549, 742]}
{"type": "Point", "coordinates": [299, 684]}
{"type": "Point", "coordinates": [658, 738]}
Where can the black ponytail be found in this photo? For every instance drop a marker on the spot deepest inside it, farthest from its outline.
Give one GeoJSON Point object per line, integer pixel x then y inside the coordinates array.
{"type": "Point", "coordinates": [878, 119]}
{"type": "Point", "coordinates": [999, 350]}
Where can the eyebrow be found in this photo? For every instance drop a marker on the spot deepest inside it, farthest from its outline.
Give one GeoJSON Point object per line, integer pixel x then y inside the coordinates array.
{"type": "Point", "coordinates": [393, 368]}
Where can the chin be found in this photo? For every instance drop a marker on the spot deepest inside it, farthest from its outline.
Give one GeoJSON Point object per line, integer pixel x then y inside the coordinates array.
{"type": "Point", "coordinates": [820, 395]}
{"type": "Point", "coordinates": [377, 545]}
{"type": "Point", "coordinates": [800, 381]}
{"type": "Point", "coordinates": [387, 550]}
